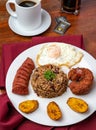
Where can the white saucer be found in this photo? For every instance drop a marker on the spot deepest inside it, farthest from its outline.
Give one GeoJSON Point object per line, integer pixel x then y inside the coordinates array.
{"type": "Point", "coordinates": [15, 27]}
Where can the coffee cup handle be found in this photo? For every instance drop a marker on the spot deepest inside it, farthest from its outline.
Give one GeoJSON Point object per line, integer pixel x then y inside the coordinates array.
{"type": "Point", "coordinates": [9, 9]}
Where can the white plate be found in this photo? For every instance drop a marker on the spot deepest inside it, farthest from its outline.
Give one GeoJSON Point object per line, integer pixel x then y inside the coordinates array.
{"type": "Point", "coordinates": [40, 115]}
{"type": "Point", "coordinates": [15, 27]}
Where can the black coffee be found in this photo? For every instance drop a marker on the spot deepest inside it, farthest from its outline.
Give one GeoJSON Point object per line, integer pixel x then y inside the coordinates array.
{"type": "Point", "coordinates": [27, 4]}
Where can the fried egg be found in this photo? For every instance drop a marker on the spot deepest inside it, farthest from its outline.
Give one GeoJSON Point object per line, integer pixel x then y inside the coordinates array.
{"type": "Point", "coordinates": [60, 54]}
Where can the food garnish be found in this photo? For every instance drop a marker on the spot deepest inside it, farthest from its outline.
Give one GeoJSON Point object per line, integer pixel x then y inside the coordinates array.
{"type": "Point", "coordinates": [49, 75]}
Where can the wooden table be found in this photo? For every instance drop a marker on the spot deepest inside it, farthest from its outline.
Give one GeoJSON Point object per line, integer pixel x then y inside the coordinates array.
{"type": "Point", "coordinates": [84, 23]}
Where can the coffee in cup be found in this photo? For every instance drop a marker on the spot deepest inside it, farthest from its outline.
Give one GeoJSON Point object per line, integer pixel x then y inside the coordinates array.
{"type": "Point", "coordinates": [27, 3]}
{"type": "Point", "coordinates": [27, 13]}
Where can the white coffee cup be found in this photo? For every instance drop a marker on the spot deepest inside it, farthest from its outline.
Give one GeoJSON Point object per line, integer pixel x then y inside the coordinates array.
{"type": "Point", "coordinates": [27, 17]}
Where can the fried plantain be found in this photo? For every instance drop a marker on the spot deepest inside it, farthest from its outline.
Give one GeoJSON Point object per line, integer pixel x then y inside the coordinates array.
{"type": "Point", "coordinates": [77, 104]}
{"type": "Point", "coordinates": [28, 106]}
{"type": "Point", "coordinates": [54, 111]}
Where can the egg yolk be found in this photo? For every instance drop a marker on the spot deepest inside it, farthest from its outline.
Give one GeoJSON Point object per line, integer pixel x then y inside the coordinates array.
{"type": "Point", "coordinates": [54, 51]}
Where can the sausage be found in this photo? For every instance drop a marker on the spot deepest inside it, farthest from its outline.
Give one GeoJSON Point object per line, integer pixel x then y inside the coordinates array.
{"type": "Point", "coordinates": [21, 80]}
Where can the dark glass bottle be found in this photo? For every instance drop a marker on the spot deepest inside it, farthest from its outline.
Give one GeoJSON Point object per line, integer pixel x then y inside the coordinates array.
{"type": "Point", "coordinates": [70, 6]}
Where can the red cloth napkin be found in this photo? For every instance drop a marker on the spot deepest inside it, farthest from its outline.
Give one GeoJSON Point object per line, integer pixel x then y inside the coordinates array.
{"type": "Point", "coordinates": [9, 118]}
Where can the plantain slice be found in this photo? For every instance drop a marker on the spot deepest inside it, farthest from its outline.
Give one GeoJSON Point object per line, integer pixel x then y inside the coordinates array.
{"type": "Point", "coordinates": [54, 111]}
{"type": "Point", "coordinates": [77, 104]}
{"type": "Point", "coordinates": [28, 106]}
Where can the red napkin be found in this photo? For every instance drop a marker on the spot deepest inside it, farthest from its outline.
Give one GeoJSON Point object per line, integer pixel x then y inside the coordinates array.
{"type": "Point", "coordinates": [9, 118]}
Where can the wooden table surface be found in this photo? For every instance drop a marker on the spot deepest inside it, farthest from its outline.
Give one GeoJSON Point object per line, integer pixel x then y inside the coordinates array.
{"type": "Point", "coordinates": [84, 23]}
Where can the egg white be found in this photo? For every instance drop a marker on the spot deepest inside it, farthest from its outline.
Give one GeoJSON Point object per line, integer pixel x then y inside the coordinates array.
{"type": "Point", "coordinates": [69, 55]}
